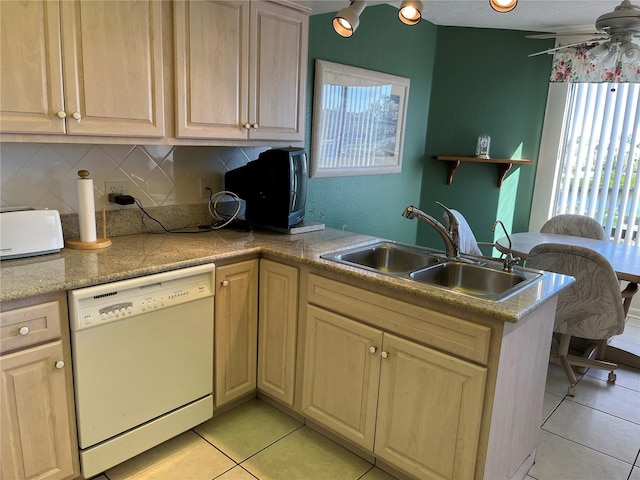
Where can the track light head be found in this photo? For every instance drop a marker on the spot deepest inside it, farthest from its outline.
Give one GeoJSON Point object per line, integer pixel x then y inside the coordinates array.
{"type": "Point", "coordinates": [503, 6]}
{"type": "Point", "coordinates": [410, 12]}
{"type": "Point", "coordinates": [347, 20]}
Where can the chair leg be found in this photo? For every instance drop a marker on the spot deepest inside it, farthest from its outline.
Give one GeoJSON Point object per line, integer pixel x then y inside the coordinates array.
{"type": "Point", "coordinates": [563, 352]}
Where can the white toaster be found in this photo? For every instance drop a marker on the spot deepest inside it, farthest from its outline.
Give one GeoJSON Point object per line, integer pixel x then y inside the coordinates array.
{"type": "Point", "coordinates": [26, 232]}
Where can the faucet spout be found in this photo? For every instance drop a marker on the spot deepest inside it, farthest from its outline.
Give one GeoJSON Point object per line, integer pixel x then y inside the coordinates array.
{"type": "Point", "coordinates": [509, 260]}
{"type": "Point", "coordinates": [450, 240]}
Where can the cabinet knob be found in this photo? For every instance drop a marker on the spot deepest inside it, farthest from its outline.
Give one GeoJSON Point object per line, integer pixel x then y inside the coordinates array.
{"type": "Point", "coordinates": [23, 330]}
{"type": "Point", "coordinates": [373, 349]}
{"type": "Point", "coordinates": [59, 364]}
{"type": "Point", "coordinates": [224, 283]}
{"type": "Point", "coordinates": [76, 116]}
{"type": "Point", "coordinates": [254, 126]}
{"type": "Point", "coordinates": [61, 114]}
{"type": "Point", "coordinates": [384, 354]}
{"type": "Point", "coordinates": [247, 125]}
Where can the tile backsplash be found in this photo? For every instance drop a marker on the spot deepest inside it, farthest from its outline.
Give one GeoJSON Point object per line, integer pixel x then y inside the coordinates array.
{"type": "Point", "coordinates": [44, 175]}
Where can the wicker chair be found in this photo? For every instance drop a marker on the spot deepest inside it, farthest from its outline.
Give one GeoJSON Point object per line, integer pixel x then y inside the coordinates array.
{"type": "Point", "coordinates": [591, 308]}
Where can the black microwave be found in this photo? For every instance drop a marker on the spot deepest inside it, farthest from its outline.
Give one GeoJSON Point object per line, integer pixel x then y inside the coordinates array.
{"type": "Point", "coordinates": [274, 187]}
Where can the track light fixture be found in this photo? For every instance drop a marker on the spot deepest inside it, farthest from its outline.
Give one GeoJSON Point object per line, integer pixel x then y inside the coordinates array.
{"type": "Point", "coordinates": [410, 12]}
{"type": "Point", "coordinates": [503, 6]}
{"type": "Point", "coordinates": [347, 20]}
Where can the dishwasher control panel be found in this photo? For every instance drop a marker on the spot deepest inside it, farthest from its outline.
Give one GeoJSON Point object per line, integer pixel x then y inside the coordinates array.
{"type": "Point", "coordinates": [101, 304]}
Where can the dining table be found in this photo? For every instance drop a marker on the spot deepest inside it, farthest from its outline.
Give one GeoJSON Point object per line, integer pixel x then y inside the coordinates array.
{"type": "Point", "coordinates": [625, 259]}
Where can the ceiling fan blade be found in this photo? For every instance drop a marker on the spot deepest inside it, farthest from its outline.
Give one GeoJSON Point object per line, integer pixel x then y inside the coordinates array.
{"type": "Point", "coordinates": [555, 49]}
{"type": "Point", "coordinates": [544, 36]}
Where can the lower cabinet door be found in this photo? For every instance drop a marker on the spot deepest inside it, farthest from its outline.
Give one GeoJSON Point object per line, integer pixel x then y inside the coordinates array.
{"type": "Point", "coordinates": [341, 372]}
{"type": "Point", "coordinates": [429, 411]}
{"type": "Point", "coordinates": [36, 434]}
{"type": "Point", "coordinates": [235, 331]}
{"type": "Point", "coordinates": [277, 330]}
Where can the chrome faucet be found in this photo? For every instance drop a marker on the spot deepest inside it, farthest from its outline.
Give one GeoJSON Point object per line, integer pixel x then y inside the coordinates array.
{"type": "Point", "coordinates": [450, 236]}
{"type": "Point", "coordinates": [509, 260]}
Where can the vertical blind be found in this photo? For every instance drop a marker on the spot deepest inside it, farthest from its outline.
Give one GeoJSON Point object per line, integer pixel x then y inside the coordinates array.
{"type": "Point", "coordinates": [359, 125]}
{"type": "Point", "coordinates": [599, 158]}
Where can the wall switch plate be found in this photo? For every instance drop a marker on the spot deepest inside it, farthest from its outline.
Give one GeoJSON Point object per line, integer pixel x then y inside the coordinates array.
{"type": "Point", "coordinates": [206, 189]}
{"type": "Point", "coordinates": [120, 187]}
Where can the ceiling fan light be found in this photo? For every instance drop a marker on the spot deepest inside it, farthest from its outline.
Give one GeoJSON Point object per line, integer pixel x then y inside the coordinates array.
{"type": "Point", "coordinates": [503, 6]}
{"type": "Point", "coordinates": [629, 52]}
{"type": "Point", "coordinates": [347, 20]}
{"type": "Point", "coordinates": [596, 54]}
{"type": "Point", "coordinates": [410, 12]}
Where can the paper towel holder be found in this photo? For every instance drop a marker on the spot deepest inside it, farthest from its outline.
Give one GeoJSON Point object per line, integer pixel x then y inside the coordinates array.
{"type": "Point", "coordinates": [77, 244]}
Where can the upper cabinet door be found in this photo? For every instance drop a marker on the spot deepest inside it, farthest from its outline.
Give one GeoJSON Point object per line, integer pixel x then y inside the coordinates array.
{"type": "Point", "coordinates": [112, 53]}
{"type": "Point", "coordinates": [279, 45]}
{"type": "Point", "coordinates": [241, 70]}
{"type": "Point", "coordinates": [212, 68]}
{"type": "Point", "coordinates": [31, 92]}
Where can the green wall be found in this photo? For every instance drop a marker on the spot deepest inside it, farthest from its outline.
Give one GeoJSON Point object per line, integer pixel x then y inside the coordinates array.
{"type": "Point", "coordinates": [484, 83]}
{"type": "Point", "coordinates": [373, 204]}
{"type": "Point", "coordinates": [464, 82]}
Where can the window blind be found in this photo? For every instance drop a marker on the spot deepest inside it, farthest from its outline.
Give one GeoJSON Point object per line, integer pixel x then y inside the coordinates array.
{"type": "Point", "coordinates": [599, 158]}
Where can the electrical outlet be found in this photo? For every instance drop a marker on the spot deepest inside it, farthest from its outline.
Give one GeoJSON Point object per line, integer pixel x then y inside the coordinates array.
{"type": "Point", "coordinates": [120, 187]}
{"type": "Point", "coordinates": [205, 183]}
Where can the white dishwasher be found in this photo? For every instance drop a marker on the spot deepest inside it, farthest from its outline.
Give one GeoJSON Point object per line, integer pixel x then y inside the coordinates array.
{"type": "Point", "coordinates": [142, 354]}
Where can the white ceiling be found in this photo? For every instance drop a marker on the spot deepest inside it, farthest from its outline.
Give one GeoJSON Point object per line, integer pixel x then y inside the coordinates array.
{"type": "Point", "coordinates": [530, 15]}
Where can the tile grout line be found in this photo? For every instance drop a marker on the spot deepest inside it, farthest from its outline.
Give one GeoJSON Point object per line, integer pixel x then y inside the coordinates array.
{"type": "Point", "coordinates": [590, 448]}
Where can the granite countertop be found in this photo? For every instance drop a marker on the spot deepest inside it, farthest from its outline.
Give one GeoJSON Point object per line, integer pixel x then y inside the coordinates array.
{"type": "Point", "coordinates": [142, 254]}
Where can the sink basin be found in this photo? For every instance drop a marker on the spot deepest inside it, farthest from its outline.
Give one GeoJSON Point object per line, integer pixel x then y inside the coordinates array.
{"type": "Point", "coordinates": [385, 257]}
{"type": "Point", "coordinates": [486, 280]}
{"type": "Point", "coordinates": [474, 280]}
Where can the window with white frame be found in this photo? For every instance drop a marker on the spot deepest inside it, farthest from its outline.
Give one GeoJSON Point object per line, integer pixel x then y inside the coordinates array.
{"type": "Point", "coordinates": [597, 173]}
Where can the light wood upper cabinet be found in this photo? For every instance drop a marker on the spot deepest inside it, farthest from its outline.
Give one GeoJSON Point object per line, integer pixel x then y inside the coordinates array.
{"type": "Point", "coordinates": [277, 330]}
{"type": "Point", "coordinates": [240, 70]}
{"type": "Point", "coordinates": [31, 91]}
{"type": "Point", "coordinates": [111, 56]}
{"type": "Point", "coordinates": [235, 331]}
{"type": "Point", "coordinates": [211, 68]}
{"type": "Point", "coordinates": [278, 72]}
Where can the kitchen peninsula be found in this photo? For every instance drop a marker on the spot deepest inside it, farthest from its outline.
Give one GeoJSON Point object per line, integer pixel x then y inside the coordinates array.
{"type": "Point", "coordinates": [475, 369]}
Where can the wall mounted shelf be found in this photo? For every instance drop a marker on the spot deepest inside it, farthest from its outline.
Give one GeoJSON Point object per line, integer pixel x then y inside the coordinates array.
{"type": "Point", "coordinates": [504, 164]}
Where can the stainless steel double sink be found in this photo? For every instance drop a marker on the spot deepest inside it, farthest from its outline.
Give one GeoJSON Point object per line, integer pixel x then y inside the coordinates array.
{"type": "Point", "coordinates": [468, 276]}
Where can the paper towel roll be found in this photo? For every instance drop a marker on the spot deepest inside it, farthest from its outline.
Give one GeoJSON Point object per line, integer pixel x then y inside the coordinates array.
{"type": "Point", "coordinates": [87, 210]}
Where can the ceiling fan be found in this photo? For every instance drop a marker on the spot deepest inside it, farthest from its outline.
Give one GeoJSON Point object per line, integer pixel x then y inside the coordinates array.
{"type": "Point", "coordinates": [615, 32]}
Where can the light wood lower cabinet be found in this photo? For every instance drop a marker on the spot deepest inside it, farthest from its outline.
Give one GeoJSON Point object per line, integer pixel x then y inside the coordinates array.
{"type": "Point", "coordinates": [235, 331]}
{"type": "Point", "coordinates": [415, 407]}
{"type": "Point", "coordinates": [277, 330]}
{"type": "Point", "coordinates": [37, 424]}
{"type": "Point", "coordinates": [341, 375]}
{"type": "Point", "coordinates": [429, 410]}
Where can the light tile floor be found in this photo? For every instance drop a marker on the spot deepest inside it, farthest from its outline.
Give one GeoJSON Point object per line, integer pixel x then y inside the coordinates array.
{"type": "Point", "coordinates": [592, 436]}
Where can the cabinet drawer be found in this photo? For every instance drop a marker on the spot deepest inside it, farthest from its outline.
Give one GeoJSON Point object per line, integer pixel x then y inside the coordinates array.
{"type": "Point", "coordinates": [31, 325]}
{"type": "Point", "coordinates": [451, 334]}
